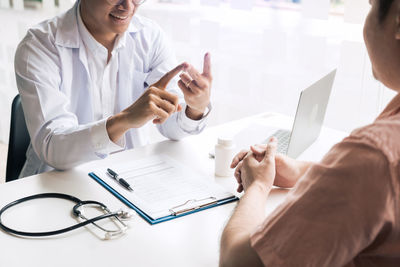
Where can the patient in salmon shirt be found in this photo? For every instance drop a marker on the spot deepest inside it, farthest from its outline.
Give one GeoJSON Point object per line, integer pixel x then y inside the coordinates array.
{"type": "Point", "coordinates": [342, 211]}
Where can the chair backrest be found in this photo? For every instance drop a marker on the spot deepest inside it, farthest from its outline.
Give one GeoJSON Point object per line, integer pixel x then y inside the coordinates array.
{"type": "Point", "coordinates": [18, 142]}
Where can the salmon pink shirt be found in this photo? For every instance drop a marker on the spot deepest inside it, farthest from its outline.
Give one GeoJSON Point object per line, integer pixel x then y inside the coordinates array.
{"type": "Point", "coordinates": [345, 210]}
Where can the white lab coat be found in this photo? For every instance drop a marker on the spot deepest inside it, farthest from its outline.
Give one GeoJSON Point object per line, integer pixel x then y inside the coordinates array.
{"type": "Point", "coordinates": [53, 80]}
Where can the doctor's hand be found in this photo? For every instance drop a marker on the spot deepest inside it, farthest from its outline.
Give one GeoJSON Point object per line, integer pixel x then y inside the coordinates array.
{"type": "Point", "coordinates": [288, 170]}
{"type": "Point", "coordinates": [155, 104]}
{"type": "Point", "coordinates": [196, 88]}
{"type": "Point", "coordinates": [258, 171]}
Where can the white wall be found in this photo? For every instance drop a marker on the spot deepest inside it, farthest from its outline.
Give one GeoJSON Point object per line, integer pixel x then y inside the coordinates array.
{"type": "Point", "coordinates": [262, 57]}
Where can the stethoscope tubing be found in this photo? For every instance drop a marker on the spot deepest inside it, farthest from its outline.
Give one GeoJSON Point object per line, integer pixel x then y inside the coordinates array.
{"type": "Point", "coordinates": [50, 233]}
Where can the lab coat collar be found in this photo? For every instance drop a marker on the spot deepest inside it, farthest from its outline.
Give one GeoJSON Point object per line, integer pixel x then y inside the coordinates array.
{"type": "Point", "coordinates": [135, 25]}
{"type": "Point", "coordinates": [67, 34]}
{"type": "Point", "coordinates": [87, 38]}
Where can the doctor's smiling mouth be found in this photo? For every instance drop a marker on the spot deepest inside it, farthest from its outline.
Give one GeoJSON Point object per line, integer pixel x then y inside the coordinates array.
{"type": "Point", "coordinates": [123, 17]}
{"type": "Point", "coordinates": [109, 16]}
{"type": "Point", "coordinates": [122, 11]}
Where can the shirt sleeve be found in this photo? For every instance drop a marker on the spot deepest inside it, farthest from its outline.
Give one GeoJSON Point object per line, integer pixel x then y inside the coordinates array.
{"type": "Point", "coordinates": [337, 210]}
{"type": "Point", "coordinates": [163, 60]}
{"type": "Point", "coordinates": [101, 140]}
{"type": "Point", "coordinates": [57, 137]}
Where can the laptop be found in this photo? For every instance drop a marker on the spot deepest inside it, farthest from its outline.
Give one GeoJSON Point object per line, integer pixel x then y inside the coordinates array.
{"type": "Point", "coordinates": [307, 124]}
{"type": "Point", "coordinates": [309, 118]}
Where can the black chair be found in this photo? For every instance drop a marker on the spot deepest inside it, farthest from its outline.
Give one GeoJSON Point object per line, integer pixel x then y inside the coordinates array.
{"type": "Point", "coordinates": [18, 142]}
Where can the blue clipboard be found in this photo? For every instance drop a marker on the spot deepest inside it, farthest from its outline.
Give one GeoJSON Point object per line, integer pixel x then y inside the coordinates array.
{"type": "Point", "coordinates": [163, 219]}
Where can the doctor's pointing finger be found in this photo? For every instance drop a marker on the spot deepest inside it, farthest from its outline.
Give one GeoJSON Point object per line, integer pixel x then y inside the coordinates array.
{"type": "Point", "coordinates": [154, 104]}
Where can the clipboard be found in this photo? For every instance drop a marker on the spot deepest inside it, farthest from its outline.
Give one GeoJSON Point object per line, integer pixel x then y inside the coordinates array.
{"type": "Point", "coordinates": [189, 206]}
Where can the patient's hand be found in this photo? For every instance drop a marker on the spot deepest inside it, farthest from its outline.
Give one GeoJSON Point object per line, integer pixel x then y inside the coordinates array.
{"type": "Point", "coordinates": [288, 170]}
{"type": "Point", "coordinates": [262, 172]}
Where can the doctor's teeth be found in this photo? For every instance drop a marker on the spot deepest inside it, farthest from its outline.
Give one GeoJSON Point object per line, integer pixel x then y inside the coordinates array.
{"type": "Point", "coordinates": [118, 17]}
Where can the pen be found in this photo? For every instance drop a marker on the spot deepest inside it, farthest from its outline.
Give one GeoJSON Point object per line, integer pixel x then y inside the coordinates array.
{"type": "Point", "coordinates": [121, 181]}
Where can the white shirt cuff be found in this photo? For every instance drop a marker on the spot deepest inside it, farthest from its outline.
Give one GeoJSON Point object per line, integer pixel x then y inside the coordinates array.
{"type": "Point", "coordinates": [101, 142]}
{"type": "Point", "coordinates": [192, 126]}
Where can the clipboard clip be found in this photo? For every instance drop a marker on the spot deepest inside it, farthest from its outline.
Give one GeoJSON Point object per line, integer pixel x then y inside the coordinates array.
{"type": "Point", "coordinates": [175, 211]}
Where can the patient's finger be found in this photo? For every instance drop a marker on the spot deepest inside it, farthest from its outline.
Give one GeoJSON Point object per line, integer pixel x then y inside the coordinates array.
{"type": "Point", "coordinates": [239, 157]}
{"type": "Point", "coordinates": [240, 188]}
{"type": "Point", "coordinates": [271, 150]}
{"type": "Point", "coordinates": [258, 149]}
{"type": "Point", "coordinates": [238, 172]}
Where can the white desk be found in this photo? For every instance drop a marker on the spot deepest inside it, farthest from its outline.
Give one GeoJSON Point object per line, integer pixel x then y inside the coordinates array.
{"type": "Point", "coordinates": [192, 240]}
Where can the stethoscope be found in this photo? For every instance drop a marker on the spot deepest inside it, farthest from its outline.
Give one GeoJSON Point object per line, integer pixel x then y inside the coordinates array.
{"type": "Point", "coordinates": [78, 210]}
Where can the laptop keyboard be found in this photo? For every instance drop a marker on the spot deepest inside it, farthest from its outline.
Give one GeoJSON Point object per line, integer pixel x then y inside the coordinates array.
{"type": "Point", "coordinates": [283, 137]}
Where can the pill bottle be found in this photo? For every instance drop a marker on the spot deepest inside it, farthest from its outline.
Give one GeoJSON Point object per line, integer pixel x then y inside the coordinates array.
{"type": "Point", "coordinates": [224, 153]}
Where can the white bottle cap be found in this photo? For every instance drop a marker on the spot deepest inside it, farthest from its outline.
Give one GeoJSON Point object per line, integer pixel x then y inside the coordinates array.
{"type": "Point", "coordinates": [225, 141]}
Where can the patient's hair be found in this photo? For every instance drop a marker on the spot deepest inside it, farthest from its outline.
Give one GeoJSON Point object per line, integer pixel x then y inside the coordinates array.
{"type": "Point", "coordinates": [384, 7]}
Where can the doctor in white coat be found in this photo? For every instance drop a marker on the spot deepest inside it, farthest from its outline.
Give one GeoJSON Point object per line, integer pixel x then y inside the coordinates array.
{"type": "Point", "coordinates": [90, 78]}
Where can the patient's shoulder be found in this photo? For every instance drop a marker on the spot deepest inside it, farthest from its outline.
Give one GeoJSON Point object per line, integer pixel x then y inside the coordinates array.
{"type": "Point", "coordinates": [383, 134]}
